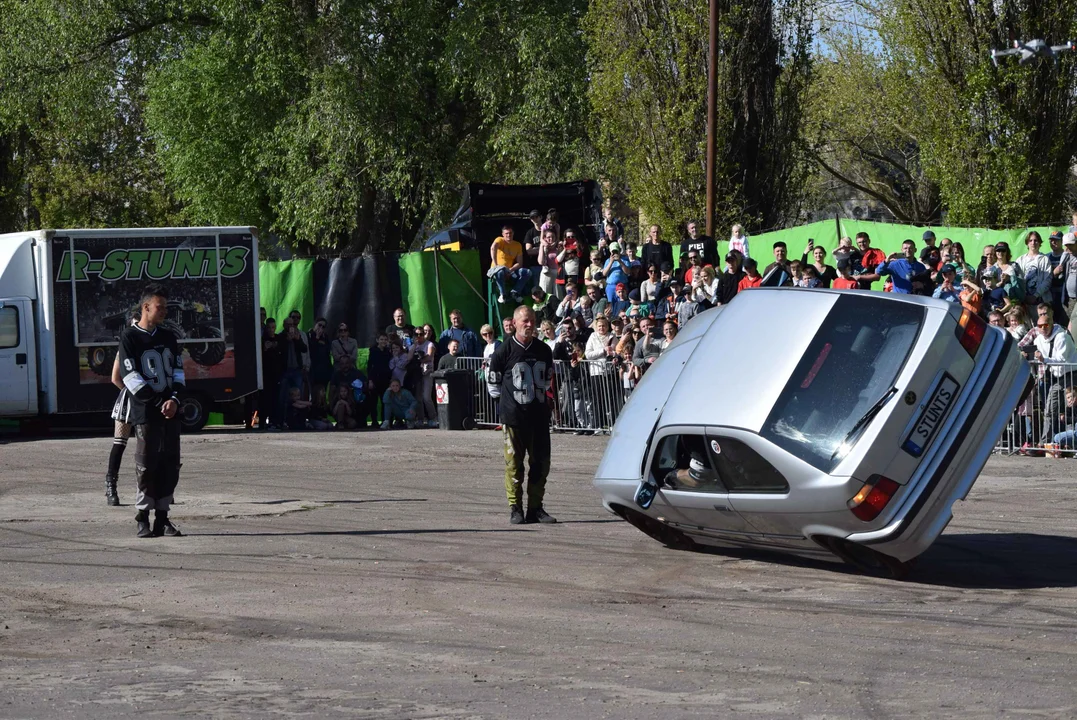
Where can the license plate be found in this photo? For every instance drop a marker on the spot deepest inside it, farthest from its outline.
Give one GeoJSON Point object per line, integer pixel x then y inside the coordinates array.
{"type": "Point", "coordinates": [932, 416]}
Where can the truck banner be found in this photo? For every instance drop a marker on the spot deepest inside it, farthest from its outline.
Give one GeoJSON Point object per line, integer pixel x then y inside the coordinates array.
{"type": "Point", "coordinates": [211, 284]}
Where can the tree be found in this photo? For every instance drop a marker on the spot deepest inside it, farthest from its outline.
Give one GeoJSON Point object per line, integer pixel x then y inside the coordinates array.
{"type": "Point", "coordinates": [648, 61]}
{"type": "Point", "coordinates": [937, 119]}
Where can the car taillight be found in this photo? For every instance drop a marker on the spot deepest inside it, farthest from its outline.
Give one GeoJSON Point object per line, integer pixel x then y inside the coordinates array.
{"type": "Point", "coordinates": [970, 331]}
{"type": "Point", "coordinates": [872, 498]}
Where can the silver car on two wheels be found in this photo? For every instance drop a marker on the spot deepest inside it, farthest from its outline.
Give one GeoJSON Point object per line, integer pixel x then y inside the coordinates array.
{"type": "Point", "coordinates": [843, 423]}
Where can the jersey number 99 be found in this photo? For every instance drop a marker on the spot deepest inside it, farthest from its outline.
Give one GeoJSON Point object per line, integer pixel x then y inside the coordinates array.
{"type": "Point", "coordinates": [527, 381]}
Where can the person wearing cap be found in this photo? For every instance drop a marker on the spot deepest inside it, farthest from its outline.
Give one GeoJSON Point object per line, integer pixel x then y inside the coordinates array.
{"type": "Point", "coordinates": [994, 293]}
{"type": "Point", "coordinates": [1036, 267]}
{"type": "Point", "coordinates": [507, 263]}
{"type": "Point", "coordinates": [695, 265]}
{"type": "Point", "coordinates": [751, 278]}
{"type": "Point", "coordinates": [946, 290]}
{"type": "Point", "coordinates": [703, 244]}
{"type": "Point", "coordinates": [729, 281]}
{"type": "Point", "coordinates": [636, 307]}
{"type": "Point", "coordinates": [615, 271]}
{"type": "Point", "coordinates": [532, 239]}
{"type": "Point", "coordinates": [620, 301]}
{"type": "Point", "coordinates": [1067, 272]}
{"type": "Point", "coordinates": [1055, 256]}
{"type": "Point", "coordinates": [543, 306]}
{"type": "Point", "coordinates": [845, 279]}
{"type": "Point", "coordinates": [929, 238]}
{"type": "Point", "coordinates": [1010, 277]}
{"type": "Point", "coordinates": [656, 250]}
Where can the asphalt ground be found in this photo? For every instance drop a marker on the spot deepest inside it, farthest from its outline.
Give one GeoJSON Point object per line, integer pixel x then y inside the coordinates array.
{"type": "Point", "coordinates": [375, 575]}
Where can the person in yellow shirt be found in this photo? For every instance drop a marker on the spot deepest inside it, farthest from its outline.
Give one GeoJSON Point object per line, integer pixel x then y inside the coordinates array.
{"type": "Point", "coordinates": [507, 263]}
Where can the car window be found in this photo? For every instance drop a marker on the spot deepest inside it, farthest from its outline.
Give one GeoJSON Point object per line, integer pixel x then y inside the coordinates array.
{"type": "Point", "coordinates": [741, 469]}
{"type": "Point", "coordinates": [682, 462]}
{"type": "Point", "coordinates": [9, 327]}
{"type": "Point", "coordinates": [852, 361]}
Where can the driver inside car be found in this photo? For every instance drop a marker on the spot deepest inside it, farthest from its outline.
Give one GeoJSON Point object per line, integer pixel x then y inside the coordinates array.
{"type": "Point", "coordinates": [693, 470]}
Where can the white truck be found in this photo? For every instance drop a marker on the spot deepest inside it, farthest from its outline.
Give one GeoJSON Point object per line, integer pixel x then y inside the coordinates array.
{"type": "Point", "coordinates": [66, 295]}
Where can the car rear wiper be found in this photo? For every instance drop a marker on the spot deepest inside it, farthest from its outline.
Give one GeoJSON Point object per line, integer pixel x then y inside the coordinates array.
{"type": "Point", "coordinates": [846, 444]}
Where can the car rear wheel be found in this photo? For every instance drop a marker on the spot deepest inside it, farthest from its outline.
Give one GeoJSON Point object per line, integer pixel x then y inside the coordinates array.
{"type": "Point", "coordinates": [656, 530]}
{"type": "Point", "coordinates": [865, 559]}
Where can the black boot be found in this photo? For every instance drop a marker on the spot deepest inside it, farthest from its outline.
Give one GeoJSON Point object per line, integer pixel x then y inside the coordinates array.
{"type": "Point", "coordinates": [163, 526]}
{"type": "Point", "coordinates": [111, 497]}
{"type": "Point", "coordinates": [143, 520]}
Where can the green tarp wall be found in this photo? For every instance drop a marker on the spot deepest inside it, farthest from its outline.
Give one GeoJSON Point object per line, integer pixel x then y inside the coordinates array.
{"type": "Point", "coordinates": [888, 237]}
{"type": "Point", "coordinates": [289, 284]}
{"type": "Point", "coordinates": [286, 285]}
{"type": "Point", "coordinates": [419, 287]}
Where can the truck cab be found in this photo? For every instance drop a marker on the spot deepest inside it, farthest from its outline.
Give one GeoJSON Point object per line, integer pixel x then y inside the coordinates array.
{"type": "Point", "coordinates": [18, 346]}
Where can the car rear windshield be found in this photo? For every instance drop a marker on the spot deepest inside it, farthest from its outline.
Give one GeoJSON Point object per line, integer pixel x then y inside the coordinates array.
{"type": "Point", "coordinates": [851, 364]}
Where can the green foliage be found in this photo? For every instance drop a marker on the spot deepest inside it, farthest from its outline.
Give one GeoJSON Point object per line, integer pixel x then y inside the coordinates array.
{"type": "Point", "coordinates": [917, 115]}
{"type": "Point", "coordinates": [648, 94]}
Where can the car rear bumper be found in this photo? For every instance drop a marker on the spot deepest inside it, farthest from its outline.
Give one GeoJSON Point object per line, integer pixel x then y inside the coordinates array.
{"type": "Point", "coordinates": [949, 475]}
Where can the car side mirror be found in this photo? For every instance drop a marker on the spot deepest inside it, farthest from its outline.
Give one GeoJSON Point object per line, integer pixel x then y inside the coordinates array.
{"type": "Point", "coordinates": [646, 492]}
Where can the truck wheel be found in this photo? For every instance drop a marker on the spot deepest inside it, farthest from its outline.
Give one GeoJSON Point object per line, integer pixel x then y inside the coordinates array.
{"type": "Point", "coordinates": [656, 530]}
{"type": "Point", "coordinates": [194, 412]}
{"type": "Point", "coordinates": [100, 359]}
{"type": "Point", "coordinates": [206, 354]}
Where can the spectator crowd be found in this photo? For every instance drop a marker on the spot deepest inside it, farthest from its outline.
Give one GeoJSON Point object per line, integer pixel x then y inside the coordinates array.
{"type": "Point", "coordinates": [609, 311]}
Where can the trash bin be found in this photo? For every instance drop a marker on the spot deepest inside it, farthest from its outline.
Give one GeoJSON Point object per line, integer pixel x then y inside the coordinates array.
{"type": "Point", "coordinates": [456, 406]}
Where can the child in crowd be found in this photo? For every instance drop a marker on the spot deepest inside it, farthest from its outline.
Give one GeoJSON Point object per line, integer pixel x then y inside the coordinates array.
{"type": "Point", "coordinates": [295, 415]}
{"type": "Point", "coordinates": [318, 419]}
{"type": "Point", "coordinates": [593, 273]}
{"type": "Point", "coordinates": [399, 406]}
{"type": "Point", "coordinates": [398, 363]}
{"type": "Point", "coordinates": [344, 408]}
{"type": "Point", "coordinates": [994, 295]}
{"type": "Point", "coordinates": [751, 278]}
{"type": "Point", "coordinates": [809, 277]}
{"type": "Point", "coordinates": [636, 308]}
{"type": "Point", "coordinates": [1067, 439]}
{"type": "Point", "coordinates": [845, 279]}
{"type": "Point", "coordinates": [971, 297]}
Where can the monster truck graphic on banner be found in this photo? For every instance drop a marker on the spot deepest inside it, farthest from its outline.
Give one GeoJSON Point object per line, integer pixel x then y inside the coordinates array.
{"type": "Point", "coordinates": [106, 277]}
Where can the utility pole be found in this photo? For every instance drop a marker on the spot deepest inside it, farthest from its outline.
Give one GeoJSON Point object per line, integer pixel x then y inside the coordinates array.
{"type": "Point", "coordinates": [712, 115]}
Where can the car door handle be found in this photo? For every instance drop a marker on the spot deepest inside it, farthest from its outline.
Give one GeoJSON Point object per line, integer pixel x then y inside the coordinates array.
{"type": "Point", "coordinates": [20, 358]}
{"type": "Point", "coordinates": [722, 508]}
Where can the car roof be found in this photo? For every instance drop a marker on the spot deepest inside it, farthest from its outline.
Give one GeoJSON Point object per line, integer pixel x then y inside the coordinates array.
{"type": "Point", "coordinates": [744, 359]}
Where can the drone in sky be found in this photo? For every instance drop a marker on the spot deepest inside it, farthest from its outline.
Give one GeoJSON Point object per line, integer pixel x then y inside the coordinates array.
{"type": "Point", "coordinates": [1033, 49]}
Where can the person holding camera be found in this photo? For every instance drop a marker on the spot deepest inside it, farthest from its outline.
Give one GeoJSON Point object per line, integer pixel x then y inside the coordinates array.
{"type": "Point", "coordinates": [615, 271]}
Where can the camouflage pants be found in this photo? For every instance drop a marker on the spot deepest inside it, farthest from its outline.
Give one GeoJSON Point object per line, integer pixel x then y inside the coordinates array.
{"type": "Point", "coordinates": [535, 442]}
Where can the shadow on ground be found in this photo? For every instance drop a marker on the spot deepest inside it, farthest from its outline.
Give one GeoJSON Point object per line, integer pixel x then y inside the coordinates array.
{"type": "Point", "coordinates": [1002, 561]}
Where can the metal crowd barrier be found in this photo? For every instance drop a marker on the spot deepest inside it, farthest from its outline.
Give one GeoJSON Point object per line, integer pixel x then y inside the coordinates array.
{"type": "Point", "coordinates": [1045, 423]}
{"type": "Point", "coordinates": [587, 395]}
